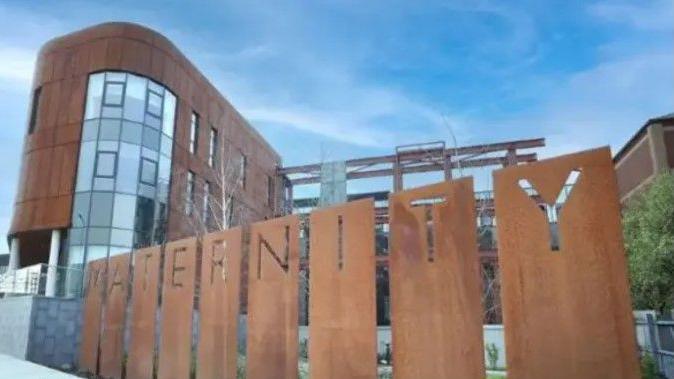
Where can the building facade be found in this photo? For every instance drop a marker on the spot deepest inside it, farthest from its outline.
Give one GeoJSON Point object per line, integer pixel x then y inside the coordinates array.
{"type": "Point", "coordinates": [129, 145]}
{"type": "Point", "coordinates": [648, 153]}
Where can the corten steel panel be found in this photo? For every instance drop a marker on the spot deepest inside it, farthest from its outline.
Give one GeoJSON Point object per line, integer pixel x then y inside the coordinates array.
{"type": "Point", "coordinates": [91, 321]}
{"type": "Point", "coordinates": [175, 348]}
{"type": "Point", "coordinates": [144, 297]}
{"type": "Point", "coordinates": [273, 286]}
{"type": "Point", "coordinates": [436, 310]}
{"type": "Point", "coordinates": [566, 313]}
{"type": "Point", "coordinates": [219, 305]}
{"type": "Point", "coordinates": [342, 313]}
{"type": "Point", "coordinates": [112, 337]}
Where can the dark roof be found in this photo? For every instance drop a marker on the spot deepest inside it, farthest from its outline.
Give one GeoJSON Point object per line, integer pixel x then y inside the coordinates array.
{"type": "Point", "coordinates": [637, 136]}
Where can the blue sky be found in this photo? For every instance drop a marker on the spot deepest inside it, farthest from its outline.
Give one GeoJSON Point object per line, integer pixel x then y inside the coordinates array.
{"type": "Point", "coordinates": [328, 80]}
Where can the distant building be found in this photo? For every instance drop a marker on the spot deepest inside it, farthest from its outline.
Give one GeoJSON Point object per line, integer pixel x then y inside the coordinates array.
{"type": "Point", "coordinates": [124, 147]}
{"type": "Point", "coordinates": [648, 153]}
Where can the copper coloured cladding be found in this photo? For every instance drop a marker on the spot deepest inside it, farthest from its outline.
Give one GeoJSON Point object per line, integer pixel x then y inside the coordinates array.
{"type": "Point", "coordinates": [142, 321]}
{"type": "Point", "coordinates": [342, 312]}
{"type": "Point", "coordinates": [566, 305]}
{"type": "Point", "coordinates": [94, 292]}
{"type": "Point", "coordinates": [219, 304]}
{"type": "Point", "coordinates": [175, 349]}
{"type": "Point", "coordinates": [112, 337]}
{"type": "Point", "coordinates": [436, 311]}
{"type": "Point", "coordinates": [273, 299]}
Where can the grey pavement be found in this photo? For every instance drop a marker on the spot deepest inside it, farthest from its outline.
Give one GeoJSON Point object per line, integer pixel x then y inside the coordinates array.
{"type": "Point", "coordinates": [14, 368]}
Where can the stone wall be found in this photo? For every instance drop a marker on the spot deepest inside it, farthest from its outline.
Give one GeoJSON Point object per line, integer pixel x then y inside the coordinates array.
{"type": "Point", "coordinates": [55, 332]}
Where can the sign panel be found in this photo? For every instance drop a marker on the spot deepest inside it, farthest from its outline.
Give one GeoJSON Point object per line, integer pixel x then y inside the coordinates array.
{"type": "Point", "coordinates": [273, 299]}
{"type": "Point", "coordinates": [436, 310]}
{"type": "Point", "coordinates": [566, 304]}
{"type": "Point", "coordinates": [175, 348]}
{"type": "Point", "coordinates": [342, 307]}
{"type": "Point", "coordinates": [112, 338]}
{"type": "Point", "coordinates": [94, 292]}
{"type": "Point", "coordinates": [144, 297]}
{"type": "Point", "coordinates": [219, 305]}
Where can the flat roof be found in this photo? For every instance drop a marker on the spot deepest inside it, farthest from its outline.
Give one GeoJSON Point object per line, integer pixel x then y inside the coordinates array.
{"type": "Point", "coordinates": [637, 136]}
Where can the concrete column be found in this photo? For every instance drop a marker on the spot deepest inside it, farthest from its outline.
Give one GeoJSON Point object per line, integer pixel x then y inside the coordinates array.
{"type": "Point", "coordinates": [13, 254]}
{"type": "Point", "coordinates": [53, 262]}
{"type": "Point", "coordinates": [656, 134]}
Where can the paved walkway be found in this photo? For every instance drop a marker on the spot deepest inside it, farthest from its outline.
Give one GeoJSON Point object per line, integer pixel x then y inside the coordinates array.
{"type": "Point", "coordinates": [16, 368]}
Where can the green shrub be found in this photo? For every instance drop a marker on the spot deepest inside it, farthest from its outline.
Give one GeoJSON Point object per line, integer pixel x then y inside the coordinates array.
{"type": "Point", "coordinates": [492, 355]}
{"type": "Point", "coordinates": [648, 368]}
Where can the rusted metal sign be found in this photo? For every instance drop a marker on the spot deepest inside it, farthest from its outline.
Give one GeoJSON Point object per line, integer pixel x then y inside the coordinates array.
{"type": "Point", "coordinates": [566, 305]}
{"type": "Point", "coordinates": [273, 299]}
{"type": "Point", "coordinates": [112, 337]}
{"type": "Point", "coordinates": [436, 310]}
{"type": "Point", "coordinates": [175, 348]}
{"type": "Point", "coordinates": [342, 323]}
{"type": "Point", "coordinates": [219, 305]}
{"type": "Point", "coordinates": [146, 266]}
{"type": "Point", "coordinates": [94, 292]}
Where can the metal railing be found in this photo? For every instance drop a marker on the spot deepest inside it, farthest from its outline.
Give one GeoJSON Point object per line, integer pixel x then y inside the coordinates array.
{"type": "Point", "coordinates": [32, 280]}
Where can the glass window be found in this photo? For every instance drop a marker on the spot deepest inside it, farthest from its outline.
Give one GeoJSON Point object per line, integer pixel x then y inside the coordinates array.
{"type": "Point", "coordinates": [108, 145]}
{"type": "Point", "coordinates": [75, 255]}
{"type": "Point", "coordinates": [166, 145]}
{"type": "Point", "coordinates": [104, 184]}
{"type": "Point", "coordinates": [144, 221]}
{"type": "Point", "coordinates": [90, 130]}
{"type": "Point", "coordinates": [94, 96]}
{"type": "Point", "coordinates": [121, 237]}
{"type": "Point", "coordinates": [150, 154]}
{"type": "Point", "coordinates": [152, 121]}
{"type": "Point", "coordinates": [134, 101]}
{"type": "Point", "coordinates": [205, 204]}
{"type": "Point", "coordinates": [96, 252]}
{"type": "Point", "coordinates": [163, 178]}
{"type": "Point", "coordinates": [112, 76]}
{"type": "Point", "coordinates": [242, 171]}
{"type": "Point", "coordinates": [106, 162]}
{"type": "Point", "coordinates": [109, 130]}
{"type": "Point", "coordinates": [35, 106]}
{"type": "Point", "coordinates": [101, 209]}
{"type": "Point", "coordinates": [81, 209]}
{"type": "Point", "coordinates": [111, 112]}
{"type": "Point", "coordinates": [270, 191]}
{"type": "Point", "coordinates": [117, 250]}
{"type": "Point", "coordinates": [125, 208]}
{"type": "Point", "coordinates": [169, 113]}
{"type": "Point", "coordinates": [98, 236]}
{"type": "Point", "coordinates": [146, 191]}
{"type": "Point", "coordinates": [212, 147]}
{"type": "Point", "coordinates": [151, 138]}
{"type": "Point", "coordinates": [154, 102]}
{"type": "Point", "coordinates": [189, 194]}
{"type": "Point", "coordinates": [113, 94]}
{"type": "Point", "coordinates": [148, 172]}
{"type": "Point", "coordinates": [155, 87]}
{"type": "Point", "coordinates": [129, 160]}
{"type": "Point", "coordinates": [85, 169]}
{"type": "Point", "coordinates": [76, 236]}
{"type": "Point", "coordinates": [132, 132]}
{"type": "Point", "coordinates": [194, 133]}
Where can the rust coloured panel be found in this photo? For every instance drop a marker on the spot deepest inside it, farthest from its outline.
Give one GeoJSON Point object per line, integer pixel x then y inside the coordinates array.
{"type": "Point", "coordinates": [436, 311]}
{"type": "Point", "coordinates": [566, 305]}
{"type": "Point", "coordinates": [175, 348]}
{"type": "Point", "coordinates": [342, 312]}
{"type": "Point", "coordinates": [144, 297]}
{"type": "Point", "coordinates": [273, 276]}
{"type": "Point", "coordinates": [219, 305]}
{"type": "Point", "coordinates": [112, 337]}
{"type": "Point", "coordinates": [94, 288]}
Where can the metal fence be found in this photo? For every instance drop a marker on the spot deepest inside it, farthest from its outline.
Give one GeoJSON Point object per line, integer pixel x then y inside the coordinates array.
{"type": "Point", "coordinates": [657, 339]}
{"type": "Point", "coordinates": [32, 280]}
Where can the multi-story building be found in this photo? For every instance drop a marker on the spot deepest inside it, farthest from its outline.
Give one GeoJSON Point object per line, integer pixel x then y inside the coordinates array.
{"type": "Point", "coordinates": [128, 145]}
{"type": "Point", "coordinates": [648, 153]}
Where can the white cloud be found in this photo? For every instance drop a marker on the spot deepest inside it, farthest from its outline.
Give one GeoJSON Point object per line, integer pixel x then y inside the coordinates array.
{"type": "Point", "coordinates": [18, 64]}
{"type": "Point", "coordinates": [642, 14]}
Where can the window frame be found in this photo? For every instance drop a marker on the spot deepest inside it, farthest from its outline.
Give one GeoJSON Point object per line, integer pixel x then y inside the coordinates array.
{"type": "Point", "coordinates": [194, 133]}
{"type": "Point", "coordinates": [243, 166]}
{"type": "Point", "coordinates": [156, 171]}
{"type": "Point", "coordinates": [104, 102]}
{"type": "Point", "coordinates": [150, 92]}
{"type": "Point", "coordinates": [114, 164]}
{"type": "Point", "coordinates": [212, 148]}
{"type": "Point", "coordinates": [190, 193]}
